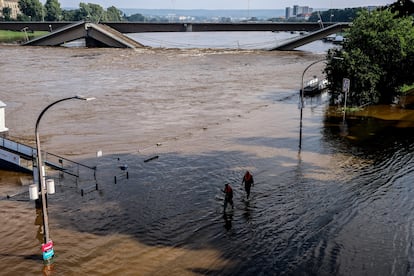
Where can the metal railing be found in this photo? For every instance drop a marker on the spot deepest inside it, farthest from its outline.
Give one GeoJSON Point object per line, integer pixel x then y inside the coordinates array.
{"type": "Point", "coordinates": [28, 156]}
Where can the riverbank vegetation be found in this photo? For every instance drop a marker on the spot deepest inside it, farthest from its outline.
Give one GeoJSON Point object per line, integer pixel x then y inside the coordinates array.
{"type": "Point", "coordinates": [377, 58]}
{"type": "Point", "coordinates": [13, 37]}
{"type": "Point", "coordinates": [34, 10]}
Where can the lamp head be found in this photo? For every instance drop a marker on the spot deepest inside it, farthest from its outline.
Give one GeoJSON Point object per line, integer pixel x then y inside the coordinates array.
{"type": "Point", "coordinates": [80, 97]}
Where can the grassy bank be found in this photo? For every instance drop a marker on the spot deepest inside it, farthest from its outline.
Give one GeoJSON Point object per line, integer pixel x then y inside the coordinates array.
{"type": "Point", "coordinates": [17, 37]}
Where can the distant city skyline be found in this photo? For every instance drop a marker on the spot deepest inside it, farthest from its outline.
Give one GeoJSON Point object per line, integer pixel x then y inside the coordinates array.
{"type": "Point", "coordinates": [226, 4]}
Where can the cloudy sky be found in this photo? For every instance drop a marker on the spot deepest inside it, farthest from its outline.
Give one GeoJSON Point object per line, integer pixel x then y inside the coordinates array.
{"type": "Point", "coordinates": [226, 4]}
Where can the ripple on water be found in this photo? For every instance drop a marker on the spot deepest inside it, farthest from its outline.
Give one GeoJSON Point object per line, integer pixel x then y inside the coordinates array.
{"type": "Point", "coordinates": [336, 208]}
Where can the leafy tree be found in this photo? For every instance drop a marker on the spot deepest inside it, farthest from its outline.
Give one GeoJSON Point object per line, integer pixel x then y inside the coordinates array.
{"type": "Point", "coordinates": [53, 10]}
{"type": "Point", "coordinates": [6, 11]}
{"type": "Point", "coordinates": [136, 18]}
{"type": "Point", "coordinates": [69, 15]}
{"type": "Point", "coordinates": [403, 7]}
{"type": "Point", "coordinates": [32, 9]}
{"type": "Point", "coordinates": [113, 14]}
{"type": "Point", "coordinates": [91, 12]}
{"type": "Point", "coordinates": [377, 57]}
{"type": "Point", "coordinates": [336, 15]}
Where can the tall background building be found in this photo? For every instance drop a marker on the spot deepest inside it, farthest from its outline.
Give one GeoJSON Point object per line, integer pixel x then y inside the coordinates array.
{"type": "Point", "coordinates": [13, 5]}
{"type": "Point", "coordinates": [288, 12]}
{"type": "Point", "coordinates": [298, 11]}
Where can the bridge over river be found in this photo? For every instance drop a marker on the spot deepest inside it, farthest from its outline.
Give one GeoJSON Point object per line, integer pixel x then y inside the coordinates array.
{"type": "Point", "coordinates": [64, 31]}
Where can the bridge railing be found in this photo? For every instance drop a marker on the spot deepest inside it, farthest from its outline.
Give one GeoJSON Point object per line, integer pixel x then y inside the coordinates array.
{"type": "Point", "coordinates": [28, 154]}
{"type": "Point", "coordinates": [68, 166]}
{"type": "Point", "coordinates": [17, 147]}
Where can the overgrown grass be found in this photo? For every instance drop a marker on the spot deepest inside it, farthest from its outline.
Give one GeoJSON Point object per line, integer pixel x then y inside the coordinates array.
{"type": "Point", "coordinates": [13, 36]}
{"type": "Point", "coordinates": [407, 88]}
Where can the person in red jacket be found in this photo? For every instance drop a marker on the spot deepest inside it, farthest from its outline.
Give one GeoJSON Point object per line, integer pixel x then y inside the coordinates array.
{"type": "Point", "coordinates": [248, 182]}
{"type": "Point", "coordinates": [228, 196]}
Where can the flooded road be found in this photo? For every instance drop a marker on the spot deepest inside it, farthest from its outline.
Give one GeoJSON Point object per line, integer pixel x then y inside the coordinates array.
{"type": "Point", "coordinates": [340, 206]}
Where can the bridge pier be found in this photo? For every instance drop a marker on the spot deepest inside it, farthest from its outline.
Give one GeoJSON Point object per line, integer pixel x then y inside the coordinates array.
{"type": "Point", "coordinates": [188, 27]}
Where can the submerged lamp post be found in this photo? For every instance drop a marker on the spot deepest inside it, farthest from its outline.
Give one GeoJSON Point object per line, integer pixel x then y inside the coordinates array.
{"type": "Point", "coordinates": [301, 102]}
{"type": "Point", "coordinates": [47, 247]}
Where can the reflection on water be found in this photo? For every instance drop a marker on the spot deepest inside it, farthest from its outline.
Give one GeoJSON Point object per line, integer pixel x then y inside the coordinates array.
{"type": "Point", "coordinates": [337, 208]}
{"type": "Point", "coordinates": [227, 221]}
{"type": "Point", "coordinates": [225, 40]}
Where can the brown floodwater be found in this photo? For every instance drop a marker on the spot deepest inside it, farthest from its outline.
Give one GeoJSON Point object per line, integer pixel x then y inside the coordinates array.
{"type": "Point", "coordinates": [339, 206]}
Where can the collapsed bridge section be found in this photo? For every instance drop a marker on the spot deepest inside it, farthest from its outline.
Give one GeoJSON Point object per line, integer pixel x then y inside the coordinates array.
{"type": "Point", "coordinates": [313, 36]}
{"type": "Point", "coordinates": [95, 35]}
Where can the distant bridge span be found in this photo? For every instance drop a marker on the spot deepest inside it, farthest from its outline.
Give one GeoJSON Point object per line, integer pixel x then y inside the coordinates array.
{"type": "Point", "coordinates": [142, 27]}
{"type": "Point", "coordinates": [101, 36]}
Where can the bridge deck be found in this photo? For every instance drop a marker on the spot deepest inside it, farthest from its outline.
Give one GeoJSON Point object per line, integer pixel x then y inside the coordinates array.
{"type": "Point", "coordinates": [302, 40]}
{"type": "Point", "coordinates": [142, 27]}
{"type": "Point", "coordinates": [96, 35]}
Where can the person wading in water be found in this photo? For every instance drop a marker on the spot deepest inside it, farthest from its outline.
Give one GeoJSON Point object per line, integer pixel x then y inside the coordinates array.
{"type": "Point", "coordinates": [228, 196]}
{"type": "Point", "coordinates": [248, 182]}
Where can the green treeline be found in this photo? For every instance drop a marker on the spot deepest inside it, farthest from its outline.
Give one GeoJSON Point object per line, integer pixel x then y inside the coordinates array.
{"type": "Point", "coordinates": [34, 10]}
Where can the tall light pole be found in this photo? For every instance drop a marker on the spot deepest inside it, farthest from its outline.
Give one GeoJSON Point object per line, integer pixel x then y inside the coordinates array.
{"type": "Point", "coordinates": [48, 245]}
{"type": "Point", "coordinates": [301, 103]}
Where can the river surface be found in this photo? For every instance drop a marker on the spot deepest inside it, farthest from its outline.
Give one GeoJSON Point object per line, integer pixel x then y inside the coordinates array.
{"type": "Point", "coordinates": [342, 205]}
{"type": "Point", "coordinates": [226, 40]}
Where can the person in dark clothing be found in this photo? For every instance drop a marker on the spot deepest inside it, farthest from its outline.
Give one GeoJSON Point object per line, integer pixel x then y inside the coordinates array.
{"type": "Point", "coordinates": [248, 182]}
{"type": "Point", "coordinates": [228, 196]}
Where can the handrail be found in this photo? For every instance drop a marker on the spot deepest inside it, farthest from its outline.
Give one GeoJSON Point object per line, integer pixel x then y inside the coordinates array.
{"type": "Point", "coordinates": [29, 152]}
{"type": "Point", "coordinates": [71, 161]}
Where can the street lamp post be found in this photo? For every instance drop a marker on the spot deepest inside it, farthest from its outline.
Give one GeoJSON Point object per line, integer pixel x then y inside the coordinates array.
{"type": "Point", "coordinates": [301, 103]}
{"type": "Point", "coordinates": [42, 186]}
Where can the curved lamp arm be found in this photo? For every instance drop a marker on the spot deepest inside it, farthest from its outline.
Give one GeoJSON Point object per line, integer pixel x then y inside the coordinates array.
{"type": "Point", "coordinates": [303, 74]}
{"type": "Point", "coordinates": [39, 164]}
